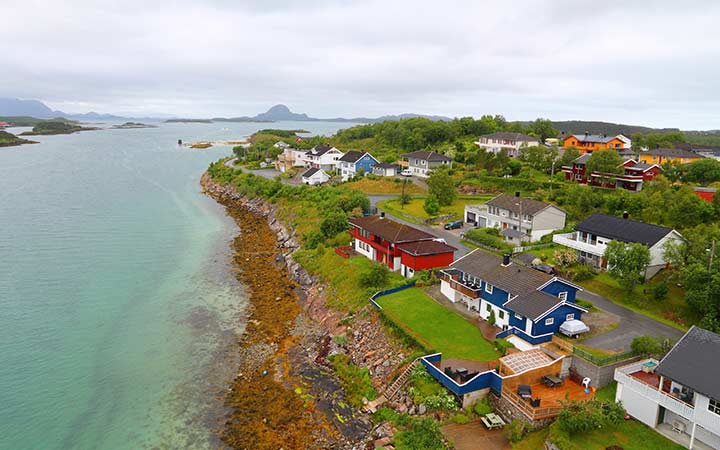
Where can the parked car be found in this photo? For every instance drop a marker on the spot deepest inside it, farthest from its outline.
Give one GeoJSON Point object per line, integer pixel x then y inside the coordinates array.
{"type": "Point", "coordinates": [454, 225]}
{"type": "Point", "coordinates": [406, 173]}
{"type": "Point", "coordinates": [545, 268]}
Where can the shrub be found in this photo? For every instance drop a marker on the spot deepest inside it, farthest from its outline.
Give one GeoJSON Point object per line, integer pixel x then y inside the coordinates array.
{"type": "Point", "coordinates": [515, 431]}
{"type": "Point", "coordinates": [501, 344]}
{"type": "Point", "coordinates": [583, 416]}
{"type": "Point", "coordinates": [333, 223]}
{"type": "Point", "coordinates": [565, 257]}
{"type": "Point", "coordinates": [460, 418]}
{"type": "Point", "coordinates": [651, 346]}
{"type": "Point", "coordinates": [355, 380]}
{"type": "Point", "coordinates": [583, 272]}
{"type": "Point", "coordinates": [423, 434]}
{"type": "Point", "coordinates": [482, 407]}
{"type": "Point", "coordinates": [376, 277]}
{"type": "Point", "coordinates": [431, 205]}
{"type": "Point", "coordinates": [491, 319]}
{"type": "Point", "coordinates": [660, 291]}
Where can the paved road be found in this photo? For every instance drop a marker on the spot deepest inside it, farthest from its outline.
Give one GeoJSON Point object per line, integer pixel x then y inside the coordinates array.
{"type": "Point", "coordinates": [632, 324]}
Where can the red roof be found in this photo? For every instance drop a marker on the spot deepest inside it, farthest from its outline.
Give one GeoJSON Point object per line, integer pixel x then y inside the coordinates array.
{"type": "Point", "coordinates": [421, 248]}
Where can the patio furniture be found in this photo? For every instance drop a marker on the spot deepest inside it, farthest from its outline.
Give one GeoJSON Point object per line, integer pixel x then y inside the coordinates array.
{"type": "Point", "coordinates": [524, 391]}
{"type": "Point", "coordinates": [552, 380]}
{"type": "Point", "coordinates": [679, 427]}
{"type": "Point", "coordinates": [495, 420]}
{"type": "Point", "coordinates": [449, 372]}
{"type": "Point", "coordinates": [586, 384]}
{"type": "Point", "coordinates": [535, 403]}
{"type": "Point", "coordinates": [461, 371]}
{"type": "Point", "coordinates": [487, 423]}
{"type": "Point", "coordinates": [649, 367]}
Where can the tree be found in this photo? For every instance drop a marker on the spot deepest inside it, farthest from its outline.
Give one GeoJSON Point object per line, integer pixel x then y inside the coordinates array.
{"type": "Point", "coordinates": [673, 170]}
{"type": "Point", "coordinates": [569, 156]}
{"type": "Point", "coordinates": [333, 223]}
{"type": "Point", "coordinates": [565, 257]}
{"type": "Point", "coordinates": [442, 186]}
{"type": "Point", "coordinates": [627, 262]}
{"type": "Point", "coordinates": [656, 347]}
{"type": "Point", "coordinates": [375, 277]}
{"type": "Point", "coordinates": [542, 128]}
{"type": "Point", "coordinates": [675, 252]}
{"type": "Point", "coordinates": [539, 157]}
{"type": "Point", "coordinates": [704, 171]}
{"type": "Point", "coordinates": [605, 161]}
{"type": "Point", "coordinates": [431, 205]}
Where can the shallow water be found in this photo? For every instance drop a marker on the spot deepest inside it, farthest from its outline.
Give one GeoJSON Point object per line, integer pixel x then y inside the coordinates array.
{"type": "Point", "coordinates": [118, 307]}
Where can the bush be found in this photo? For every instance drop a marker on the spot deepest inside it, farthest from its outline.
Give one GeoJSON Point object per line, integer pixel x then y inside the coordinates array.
{"type": "Point", "coordinates": [491, 319]}
{"type": "Point", "coordinates": [376, 277]}
{"type": "Point", "coordinates": [482, 407]}
{"type": "Point", "coordinates": [583, 416]}
{"type": "Point", "coordinates": [460, 419]}
{"type": "Point", "coordinates": [515, 431]}
{"type": "Point", "coordinates": [431, 205]}
{"type": "Point", "coordinates": [565, 257]}
{"type": "Point", "coordinates": [660, 291]}
{"type": "Point", "coordinates": [334, 223]}
{"type": "Point", "coordinates": [583, 272]}
{"type": "Point", "coordinates": [502, 345]}
{"type": "Point", "coordinates": [651, 346]}
{"type": "Point", "coordinates": [355, 380]}
{"type": "Point", "coordinates": [423, 434]}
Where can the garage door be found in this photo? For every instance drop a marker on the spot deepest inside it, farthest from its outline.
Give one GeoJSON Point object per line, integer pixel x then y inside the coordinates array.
{"type": "Point", "coordinates": [470, 218]}
{"type": "Point", "coordinates": [482, 222]}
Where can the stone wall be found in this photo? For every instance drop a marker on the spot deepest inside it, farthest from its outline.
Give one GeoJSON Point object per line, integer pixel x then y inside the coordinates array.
{"type": "Point", "coordinates": [600, 376]}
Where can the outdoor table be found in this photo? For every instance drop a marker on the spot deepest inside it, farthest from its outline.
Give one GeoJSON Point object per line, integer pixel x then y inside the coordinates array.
{"type": "Point", "coordinates": [552, 380]}
{"type": "Point", "coordinates": [461, 371]}
{"type": "Point", "coordinates": [495, 420]}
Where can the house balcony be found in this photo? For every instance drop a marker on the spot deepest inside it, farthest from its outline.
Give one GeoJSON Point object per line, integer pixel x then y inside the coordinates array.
{"type": "Point", "coordinates": [570, 240]}
{"type": "Point", "coordinates": [455, 278]}
{"type": "Point", "coordinates": [652, 386]}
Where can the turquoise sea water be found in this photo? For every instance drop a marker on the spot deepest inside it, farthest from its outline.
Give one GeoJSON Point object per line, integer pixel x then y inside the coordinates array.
{"type": "Point", "coordinates": [118, 310]}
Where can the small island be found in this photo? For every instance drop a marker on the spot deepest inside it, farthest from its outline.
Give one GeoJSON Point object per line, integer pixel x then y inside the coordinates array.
{"type": "Point", "coordinates": [56, 127]}
{"type": "Point", "coordinates": [10, 140]}
{"type": "Point", "coordinates": [130, 125]}
{"type": "Point", "coordinates": [188, 121]}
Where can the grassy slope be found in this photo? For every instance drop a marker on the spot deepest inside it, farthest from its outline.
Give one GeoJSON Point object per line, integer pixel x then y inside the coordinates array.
{"type": "Point", "coordinates": [384, 186]}
{"type": "Point", "coordinates": [441, 329]}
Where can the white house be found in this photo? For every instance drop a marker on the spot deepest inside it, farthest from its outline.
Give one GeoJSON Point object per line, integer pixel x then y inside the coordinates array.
{"type": "Point", "coordinates": [281, 144]}
{"type": "Point", "coordinates": [678, 396]}
{"type": "Point", "coordinates": [315, 176]}
{"type": "Point", "coordinates": [592, 235]}
{"type": "Point", "coordinates": [422, 162]}
{"type": "Point", "coordinates": [289, 158]}
{"type": "Point", "coordinates": [511, 142]}
{"type": "Point", "coordinates": [323, 157]}
{"type": "Point", "coordinates": [518, 219]}
{"type": "Point", "coordinates": [351, 162]}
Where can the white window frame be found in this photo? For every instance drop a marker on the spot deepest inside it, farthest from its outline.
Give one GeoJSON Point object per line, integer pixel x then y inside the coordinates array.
{"type": "Point", "coordinates": [563, 295]}
{"type": "Point", "coordinates": [549, 321]}
{"type": "Point", "coordinates": [488, 288]}
{"type": "Point", "coordinates": [714, 406]}
{"type": "Point", "coordinates": [570, 316]}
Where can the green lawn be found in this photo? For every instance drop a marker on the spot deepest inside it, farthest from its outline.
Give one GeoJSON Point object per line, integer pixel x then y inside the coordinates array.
{"type": "Point", "coordinates": [607, 393]}
{"type": "Point", "coordinates": [630, 435]}
{"type": "Point", "coordinates": [436, 326]}
{"type": "Point", "coordinates": [672, 310]}
{"type": "Point", "coordinates": [414, 211]}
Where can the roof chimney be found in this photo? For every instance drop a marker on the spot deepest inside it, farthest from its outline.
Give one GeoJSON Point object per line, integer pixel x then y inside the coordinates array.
{"type": "Point", "coordinates": [382, 214]}
{"type": "Point", "coordinates": [506, 259]}
{"type": "Point", "coordinates": [626, 214]}
{"type": "Point", "coordinates": [517, 194]}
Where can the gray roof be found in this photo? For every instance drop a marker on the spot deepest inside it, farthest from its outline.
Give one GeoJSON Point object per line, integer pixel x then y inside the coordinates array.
{"type": "Point", "coordinates": [641, 166]}
{"type": "Point", "coordinates": [693, 362]}
{"type": "Point", "coordinates": [427, 155]}
{"type": "Point", "coordinates": [582, 159]}
{"type": "Point", "coordinates": [351, 156]}
{"type": "Point", "coordinates": [515, 278]}
{"type": "Point", "coordinates": [533, 304]}
{"type": "Point", "coordinates": [625, 230]}
{"type": "Point", "coordinates": [319, 150]}
{"type": "Point", "coordinates": [592, 138]}
{"type": "Point", "coordinates": [673, 153]}
{"type": "Point", "coordinates": [510, 136]}
{"type": "Point", "coordinates": [386, 166]}
{"type": "Point", "coordinates": [516, 204]}
{"type": "Point", "coordinates": [310, 172]}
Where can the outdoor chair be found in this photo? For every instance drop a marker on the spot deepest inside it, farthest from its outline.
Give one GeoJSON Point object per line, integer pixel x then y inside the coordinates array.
{"type": "Point", "coordinates": [524, 391]}
{"type": "Point", "coordinates": [535, 403]}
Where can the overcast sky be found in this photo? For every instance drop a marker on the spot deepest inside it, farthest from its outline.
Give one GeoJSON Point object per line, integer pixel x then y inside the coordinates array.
{"type": "Point", "coordinates": [651, 63]}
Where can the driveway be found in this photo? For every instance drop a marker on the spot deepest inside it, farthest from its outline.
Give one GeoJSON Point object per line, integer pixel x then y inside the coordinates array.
{"type": "Point", "coordinates": [631, 325]}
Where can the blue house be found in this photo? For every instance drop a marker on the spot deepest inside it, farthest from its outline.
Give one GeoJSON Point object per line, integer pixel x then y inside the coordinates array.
{"type": "Point", "coordinates": [524, 301]}
{"type": "Point", "coordinates": [352, 161]}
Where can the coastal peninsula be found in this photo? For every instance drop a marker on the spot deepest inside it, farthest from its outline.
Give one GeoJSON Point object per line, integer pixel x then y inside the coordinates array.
{"type": "Point", "coordinates": [10, 140]}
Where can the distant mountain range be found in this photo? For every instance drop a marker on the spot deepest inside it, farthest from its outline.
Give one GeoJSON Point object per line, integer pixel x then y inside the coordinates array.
{"type": "Point", "coordinates": [14, 107]}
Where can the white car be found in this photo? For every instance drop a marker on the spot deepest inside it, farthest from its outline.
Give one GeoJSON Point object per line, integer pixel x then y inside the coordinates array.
{"type": "Point", "coordinates": [406, 173]}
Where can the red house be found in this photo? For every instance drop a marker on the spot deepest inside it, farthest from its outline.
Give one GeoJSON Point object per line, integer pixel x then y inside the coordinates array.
{"type": "Point", "coordinates": [398, 246]}
{"type": "Point", "coordinates": [705, 193]}
{"type": "Point", "coordinates": [635, 174]}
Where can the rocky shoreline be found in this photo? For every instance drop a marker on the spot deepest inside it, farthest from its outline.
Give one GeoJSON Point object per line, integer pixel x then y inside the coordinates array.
{"type": "Point", "coordinates": [285, 395]}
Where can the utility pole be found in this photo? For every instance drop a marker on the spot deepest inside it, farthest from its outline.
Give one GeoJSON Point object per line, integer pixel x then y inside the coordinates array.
{"type": "Point", "coordinates": [402, 196]}
{"type": "Point", "coordinates": [552, 175]}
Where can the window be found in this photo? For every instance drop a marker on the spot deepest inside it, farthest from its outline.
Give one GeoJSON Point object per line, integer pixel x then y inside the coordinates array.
{"type": "Point", "coordinates": [489, 308]}
{"type": "Point", "coordinates": [714, 406]}
{"type": "Point", "coordinates": [562, 296]}
{"type": "Point", "coordinates": [549, 321]}
{"type": "Point", "coordinates": [488, 288]}
{"type": "Point", "coordinates": [364, 233]}
{"type": "Point", "coordinates": [570, 317]}
{"type": "Point", "coordinates": [501, 314]}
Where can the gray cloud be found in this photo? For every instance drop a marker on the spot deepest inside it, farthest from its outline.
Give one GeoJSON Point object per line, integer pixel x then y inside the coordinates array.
{"type": "Point", "coordinates": [643, 62]}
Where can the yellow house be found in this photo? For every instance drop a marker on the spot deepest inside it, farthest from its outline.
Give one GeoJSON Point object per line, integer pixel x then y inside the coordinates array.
{"type": "Point", "coordinates": [663, 155]}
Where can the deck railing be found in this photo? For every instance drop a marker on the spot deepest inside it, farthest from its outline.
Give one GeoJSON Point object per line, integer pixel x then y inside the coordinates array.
{"type": "Point", "coordinates": [532, 413]}
{"type": "Point", "coordinates": [657, 395]}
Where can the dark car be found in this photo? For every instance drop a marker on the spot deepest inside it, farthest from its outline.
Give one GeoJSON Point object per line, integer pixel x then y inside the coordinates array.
{"type": "Point", "coordinates": [545, 268]}
{"type": "Point", "coordinates": [454, 225]}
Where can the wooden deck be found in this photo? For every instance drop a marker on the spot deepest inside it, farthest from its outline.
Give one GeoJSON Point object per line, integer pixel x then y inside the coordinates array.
{"type": "Point", "coordinates": [553, 396]}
